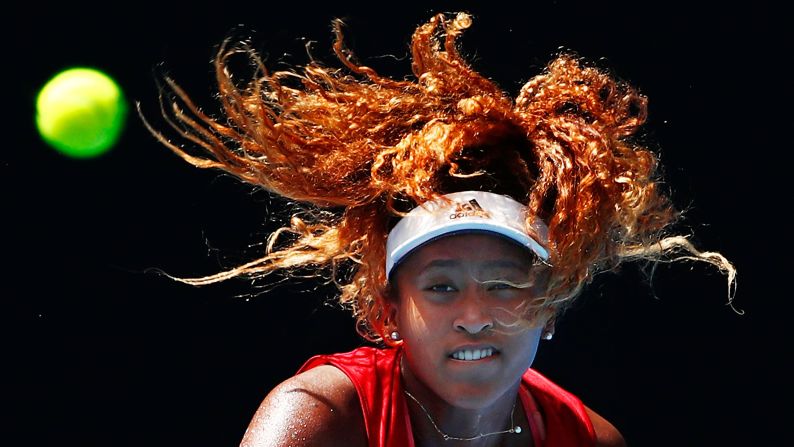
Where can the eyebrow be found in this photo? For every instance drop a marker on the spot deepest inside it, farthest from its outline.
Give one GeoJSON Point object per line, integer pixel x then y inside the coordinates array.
{"type": "Point", "coordinates": [497, 263]}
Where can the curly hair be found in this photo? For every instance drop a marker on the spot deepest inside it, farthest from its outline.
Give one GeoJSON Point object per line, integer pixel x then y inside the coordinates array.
{"type": "Point", "coordinates": [359, 150]}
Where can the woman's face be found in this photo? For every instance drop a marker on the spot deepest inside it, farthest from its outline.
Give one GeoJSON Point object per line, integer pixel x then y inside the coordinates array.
{"type": "Point", "coordinates": [459, 320]}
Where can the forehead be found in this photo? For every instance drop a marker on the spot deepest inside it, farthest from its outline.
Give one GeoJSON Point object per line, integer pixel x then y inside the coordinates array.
{"type": "Point", "coordinates": [470, 248]}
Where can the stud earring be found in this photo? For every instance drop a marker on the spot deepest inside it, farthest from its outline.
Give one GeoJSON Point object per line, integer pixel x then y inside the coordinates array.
{"type": "Point", "coordinates": [547, 335]}
{"type": "Point", "coordinates": [394, 335]}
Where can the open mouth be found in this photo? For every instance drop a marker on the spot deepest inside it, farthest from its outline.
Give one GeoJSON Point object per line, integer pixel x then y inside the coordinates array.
{"type": "Point", "coordinates": [473, 354]}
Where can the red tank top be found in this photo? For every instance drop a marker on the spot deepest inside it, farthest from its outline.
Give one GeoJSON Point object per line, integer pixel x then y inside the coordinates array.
{"type": "Point", "coordinates": [557, 418]}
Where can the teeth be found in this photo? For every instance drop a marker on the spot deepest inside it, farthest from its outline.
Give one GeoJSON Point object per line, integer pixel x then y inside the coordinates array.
{"type": "Point", "coordinates": [472, 354]}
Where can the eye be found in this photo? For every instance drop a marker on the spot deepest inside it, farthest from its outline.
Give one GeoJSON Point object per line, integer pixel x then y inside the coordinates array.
{"type": "Point", "coordinates": [504, 290]}
{"type": "Point", "coordinates": [441, 288]}
{"type": "Point", "coordinates": [499, 285]}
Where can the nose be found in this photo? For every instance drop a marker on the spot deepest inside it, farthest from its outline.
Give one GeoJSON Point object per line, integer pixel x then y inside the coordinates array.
{"type": "Point", "coordinates": [472, 315]}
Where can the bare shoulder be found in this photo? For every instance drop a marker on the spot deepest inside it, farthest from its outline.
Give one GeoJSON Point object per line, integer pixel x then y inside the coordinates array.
{"type": "Point", "coordinates": [317, 407]}
{"type": "Point", "coordinates": [606, 433]}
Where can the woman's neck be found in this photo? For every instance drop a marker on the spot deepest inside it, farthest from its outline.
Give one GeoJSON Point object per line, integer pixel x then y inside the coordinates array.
{"type": "Point", "coordinates": [489, 426]}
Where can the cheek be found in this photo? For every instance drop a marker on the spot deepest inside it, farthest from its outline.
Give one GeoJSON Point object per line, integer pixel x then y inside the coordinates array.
{"type": "Point", "coordinates": [528, 347]}
{"type": "Point", "coordinates": [418, 337]}
{"type": "Point", "coordinates": [416, 326]}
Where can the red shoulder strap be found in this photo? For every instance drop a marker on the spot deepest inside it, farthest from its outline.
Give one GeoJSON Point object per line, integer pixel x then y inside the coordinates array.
{"type": "Point", "coordinates": [565, 420]}
{"type": "Point", "coordinates": [376, 375]}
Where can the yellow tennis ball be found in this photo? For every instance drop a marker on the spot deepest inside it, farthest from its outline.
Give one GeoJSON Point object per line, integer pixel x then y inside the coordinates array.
{"type": "Point", "coordinates": [81, 112]}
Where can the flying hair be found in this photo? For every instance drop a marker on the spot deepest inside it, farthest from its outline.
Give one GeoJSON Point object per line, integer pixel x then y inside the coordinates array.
{"type": "Point", "coordinates": [358, 150]}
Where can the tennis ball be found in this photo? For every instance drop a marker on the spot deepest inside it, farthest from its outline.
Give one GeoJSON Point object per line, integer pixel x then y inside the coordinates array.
{"type": "Point", "coordinates": [81, 112]}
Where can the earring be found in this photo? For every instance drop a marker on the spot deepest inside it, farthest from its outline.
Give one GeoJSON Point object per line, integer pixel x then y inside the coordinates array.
{"type": "Point", "coordinates": [394, 335]}
{"type": "Point", "coordinates": [547, 335]}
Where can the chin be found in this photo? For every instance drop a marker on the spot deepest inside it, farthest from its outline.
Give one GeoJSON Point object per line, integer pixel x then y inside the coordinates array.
{"type": "Point", "coordinates": [471, 396]}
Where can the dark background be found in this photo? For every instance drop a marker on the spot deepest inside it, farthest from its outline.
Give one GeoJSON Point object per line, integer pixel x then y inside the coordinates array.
{"type": "Point", "coordinates": [102, 352]}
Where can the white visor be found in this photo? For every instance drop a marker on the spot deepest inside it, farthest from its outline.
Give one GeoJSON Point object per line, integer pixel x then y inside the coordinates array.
{"type": "Point", "coordinates": [467, 211]}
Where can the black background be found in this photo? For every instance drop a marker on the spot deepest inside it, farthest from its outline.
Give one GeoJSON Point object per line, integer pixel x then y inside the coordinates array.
{"type": "Point", "coordinates": [101, 352]}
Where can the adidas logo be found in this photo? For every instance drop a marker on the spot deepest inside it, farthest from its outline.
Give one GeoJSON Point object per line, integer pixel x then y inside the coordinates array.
{"type": "Point", "coordinates": [469, 209]}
